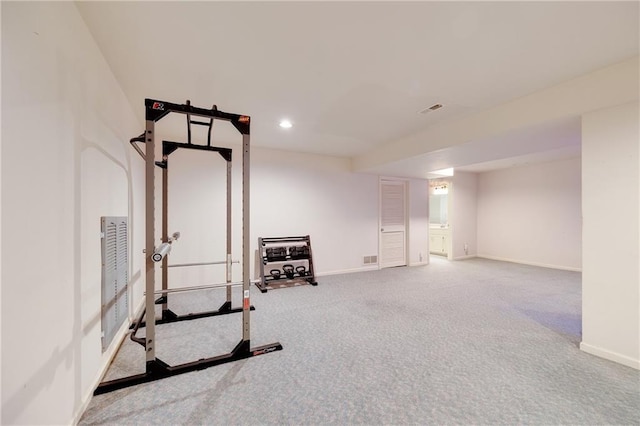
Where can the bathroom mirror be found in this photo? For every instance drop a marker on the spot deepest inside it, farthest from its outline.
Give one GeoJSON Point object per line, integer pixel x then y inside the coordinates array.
{"type": "Point", "coordinates": [438, 203]}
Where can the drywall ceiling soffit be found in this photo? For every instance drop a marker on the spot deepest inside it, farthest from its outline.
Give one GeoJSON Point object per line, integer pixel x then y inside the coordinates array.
{"type": "Point", "coordinates": [610, 86]}
{"type": "Point", "coordinates": [559, 139]}
{"type": "Point", "coordinates": [352, 76]}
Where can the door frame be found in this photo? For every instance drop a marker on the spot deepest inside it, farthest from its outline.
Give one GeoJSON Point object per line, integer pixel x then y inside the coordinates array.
{"type": "Point", "coordinates": [405, 182]}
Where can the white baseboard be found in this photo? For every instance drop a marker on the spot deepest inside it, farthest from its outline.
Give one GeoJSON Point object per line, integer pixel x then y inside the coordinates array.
{"type": "Point", "coordinates": [107, 358]}
{"type": "Point", "coordinates": [363, 269]}
{"type": "Point", "coordinates": [611, 356]}
{"type": "Point", "coordinates": [348, 271]}
{"type": "Point", "coordinates": [469, 256]}
{"type": "Point", "coordinates": [523, 262]}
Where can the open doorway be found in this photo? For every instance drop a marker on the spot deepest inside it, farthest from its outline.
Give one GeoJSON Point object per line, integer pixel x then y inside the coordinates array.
{"type": "Point", "coordinates": [439, 208]}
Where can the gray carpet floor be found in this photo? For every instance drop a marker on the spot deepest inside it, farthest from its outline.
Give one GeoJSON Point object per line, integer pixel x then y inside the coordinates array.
{"type": "Point", "coordinates": [466, 342]}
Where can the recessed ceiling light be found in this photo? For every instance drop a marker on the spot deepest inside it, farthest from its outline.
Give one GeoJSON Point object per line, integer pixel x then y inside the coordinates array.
{"type": "Point", "coordinates": [285, 124]}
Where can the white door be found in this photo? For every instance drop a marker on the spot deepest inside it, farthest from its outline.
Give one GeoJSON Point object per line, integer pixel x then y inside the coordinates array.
{"type": "Point", "coordinates": [393, 226]}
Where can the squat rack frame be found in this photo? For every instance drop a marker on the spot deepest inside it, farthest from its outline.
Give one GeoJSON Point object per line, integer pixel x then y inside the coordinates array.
{"type": "Point", "coordinates": [169, 147]}
{"type": "Point", "coordinates": [155, 368]}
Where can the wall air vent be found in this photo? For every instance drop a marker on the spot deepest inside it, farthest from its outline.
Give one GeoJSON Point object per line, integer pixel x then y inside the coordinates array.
{"type": "Point", "coordinates": [370, 260]}
{"type": "Point", "coordinates": [115, 276]}
{"type": "Point", "coordinates": [431, 108]}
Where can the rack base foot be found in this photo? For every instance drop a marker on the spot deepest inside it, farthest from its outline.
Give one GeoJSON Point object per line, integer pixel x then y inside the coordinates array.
{"type": "Point", "coordinates": [158, 369]}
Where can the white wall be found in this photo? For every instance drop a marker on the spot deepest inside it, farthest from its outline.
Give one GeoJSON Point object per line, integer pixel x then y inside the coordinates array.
{"type": "Point", "coordinates": [197, 209]}
{"type": "Point", "coordinates": [611, 245]}
{"type": "Point", "coordinates": [65, 163]}
{"type": "Point", "coordinates": [532, 214]}
{"type": "Point", "coordinates": [318, 196]}
{"type": "Point", "coordinates": [291, 194]}
{"type": "Point", "coordinates": [463, 215]}
{"type": "Point", "coordinates": [418, 222]}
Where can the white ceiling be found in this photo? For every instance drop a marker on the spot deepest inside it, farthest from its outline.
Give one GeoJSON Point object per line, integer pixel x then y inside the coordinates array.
{"type": "Point", "coordinates": [353, 75]}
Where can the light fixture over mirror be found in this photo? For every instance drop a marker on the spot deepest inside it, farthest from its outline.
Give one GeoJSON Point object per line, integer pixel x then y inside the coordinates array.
{"type": "Point", "coordinates": [285, 124]}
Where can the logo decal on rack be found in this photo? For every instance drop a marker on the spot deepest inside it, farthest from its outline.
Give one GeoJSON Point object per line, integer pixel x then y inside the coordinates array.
{"type": "Point", "coordinates": [158, 105]}
{"type": "Point", "coordinates": [246, 304]}
{"type": "Point", "coordinates": [264, 351]}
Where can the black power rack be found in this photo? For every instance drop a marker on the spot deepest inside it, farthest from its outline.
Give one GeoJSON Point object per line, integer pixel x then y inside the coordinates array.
{"type": "Point", "coordinates": [293, 253]}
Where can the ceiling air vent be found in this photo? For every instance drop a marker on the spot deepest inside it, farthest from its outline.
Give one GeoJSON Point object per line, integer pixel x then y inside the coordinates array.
{"type": "Point", "coordinates": [431, 108]}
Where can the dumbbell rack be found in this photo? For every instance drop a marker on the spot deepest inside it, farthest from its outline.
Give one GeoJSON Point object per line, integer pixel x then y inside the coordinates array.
{"type": "Point", "coordinates": [285, 250]}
